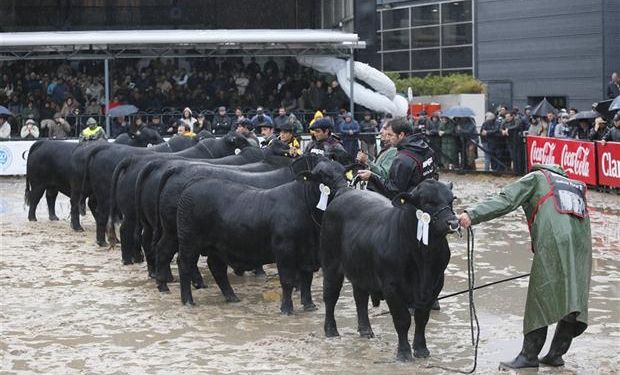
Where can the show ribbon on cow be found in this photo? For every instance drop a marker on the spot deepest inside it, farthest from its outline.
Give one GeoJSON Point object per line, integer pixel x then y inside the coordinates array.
{"type": "Point", "coordinates": [325, 191]}
{"type": "Point", "coordinates": [424, 220]}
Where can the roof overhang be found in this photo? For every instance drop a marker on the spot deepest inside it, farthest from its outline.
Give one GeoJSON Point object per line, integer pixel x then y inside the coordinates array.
{"type": "Point", "coordinates": [174, 43]}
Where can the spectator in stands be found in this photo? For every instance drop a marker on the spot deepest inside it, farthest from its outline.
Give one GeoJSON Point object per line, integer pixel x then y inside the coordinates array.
{"type": "Point", "coordinates": [488, 131]}
{"type": "Point", "coordinates": [350, 130]}
{"type": "Point", "coordinates": [238, 116]}
{"type": "Point", "coordinates": [281, 118]}
{"type": "Point", "coordinates": [613, 87]}
{"type": "Point", "coordinates": [512, 130]}
{"type": "Point", "coordinates": [30, 111]}
{"type": "Point", "coordinates": [5, 128]}
{"type": "Point", "coordinates": [188, 119]}
{"type": "Point", "coordinates": [449, 142]}
{"type": "Point", "coordinates": [368, 140]}
{"type": "Point", "coordinates": [466, 130]}
{"type": "Point", "coordinates": [119, 126]}
{"type": "Point", "coordinates": [582, 131]}
{"type": "Point", "coordinates": [244, 127]}
{"type": "Point", "coordinates": [551, 124]}
{"type": "Point", "coordinates": [261, 117]}
{"type": "Point", "coordinates": [68, 107]}
{"type": "Point", "coordinates": [184, 130]}
{"type": "Point", "coordinates": [93, 108]}
{"type": "Point", "coordinates": [561, 129]}
{"type": "Point", "coordinates": [432, 133]}
{"type": "Point", "coordinates": [598, 130]}
{"type": "Point", "coordinates": [201, 123]}
{"type": "Point", "coordinates": [221, 122]}
{"type": "Point", "coordinates": [298, 128]}
{"type": "Point", "coordinates": [59, 128]}
{"type": "Point", "coordinates": [289, 102]}
{"type": "Point", "coordinates": [613, 134]}
{"type": "Point", "coordinates": [537, 127]}
{"type": "Point", "coordinates": [30, 130]}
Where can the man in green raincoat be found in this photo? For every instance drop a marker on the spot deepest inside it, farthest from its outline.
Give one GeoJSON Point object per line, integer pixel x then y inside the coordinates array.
{"type": "Point", "coordinates": [557, 216]}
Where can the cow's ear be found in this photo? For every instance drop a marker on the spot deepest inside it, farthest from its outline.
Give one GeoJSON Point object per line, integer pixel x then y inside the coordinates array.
{"type": "Point", "coordinates": [402, 199]}
{"type": "Point", "coordinates": [449, 184]}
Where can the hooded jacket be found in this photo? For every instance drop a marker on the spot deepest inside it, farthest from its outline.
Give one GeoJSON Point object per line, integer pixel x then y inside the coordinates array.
{"type": "Point", "coordinates": [413, 163]}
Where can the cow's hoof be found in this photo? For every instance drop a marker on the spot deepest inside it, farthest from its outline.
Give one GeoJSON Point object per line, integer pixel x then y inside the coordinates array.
{"type": "Point", "coordinates": [404, 356]}
{"type": "Point", "coordinates": [152, 275]}
{"type": "Point", "coordinates": [171, 279]}
{"type": "Point", "coordinates": [367, 333]}
{"type": "Point", "coordinates": [102, 244]}
{"type": "Point", "coordinates": [232, 299]}
{"type": "Point", "coordinates": [436, 306]}
{"type": "Point", "coordinates": [32, 219]}
{"type": "Point", "coordinates": [77, 228]}
{"type": "Point", "coordinates": [138, 259]}
{"type": "Point", "coordinates": [189, 302]}
{"type": "Point", "coordinates": [286, 311]}
{"type": "Point", "coordinates": [163, 288]}
{"type": "Point", "coordinates": [52, 218]}
{"type": "Point", "coordinates": [310, 307]}
{"type": "Point", "coordinates": [421, 353]}
{"type": "Point", "coordinates": [239, 272]}
{"type": "Point", "coordinates": [411, 310]}
{"type": "Point", "coordinates": [199, 285]}
{"type": "Point", "coordinates": [331, 331]}
{"type": "Point", "coordinates": [127, 262]}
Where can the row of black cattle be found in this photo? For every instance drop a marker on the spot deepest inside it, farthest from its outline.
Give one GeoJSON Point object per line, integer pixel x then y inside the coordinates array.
{"type": "Point", "coordinates": [243, 207]}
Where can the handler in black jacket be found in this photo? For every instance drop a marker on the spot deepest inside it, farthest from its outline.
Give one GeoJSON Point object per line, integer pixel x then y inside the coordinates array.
{"type": "Point", "coordinates": [413, 163]}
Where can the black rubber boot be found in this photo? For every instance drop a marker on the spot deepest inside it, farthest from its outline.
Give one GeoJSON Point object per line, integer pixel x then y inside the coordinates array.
{"type": "Point", "coordinates": [532, 345]}
{"type": "Point", "coordinates": [563, 337]}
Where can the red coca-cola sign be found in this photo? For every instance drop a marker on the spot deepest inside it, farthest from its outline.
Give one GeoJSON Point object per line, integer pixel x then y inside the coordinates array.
{"type": "Point", "coordinates": [608, 156]}
{"type": "Point", "coordinates": [577, 158]}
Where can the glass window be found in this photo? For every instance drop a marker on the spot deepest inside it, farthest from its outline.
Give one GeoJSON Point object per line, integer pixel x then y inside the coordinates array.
{"type": "Point", "coordinates": [456, 11]}
{"type": "Point", "coordinates": [425, 37]}
{"type": "Point", "coordinates": [396, 39]}
{"type": "Point", "coordinates": [425, 15]}
{"type": "Point", "coordinates": [456, 34]}
{"type": "Point", "coordinates": [459, 57]}
{"type": "Point", "coordinates": [458, 71]}
{"type": "Point", "coordinates": [425, 59]}
{"type": "Point", "coordinates": [396, 61]}
{"type": "Point", "coordinates": [424, 74]}
{"type": "Point", "coordinates": [396, 19]}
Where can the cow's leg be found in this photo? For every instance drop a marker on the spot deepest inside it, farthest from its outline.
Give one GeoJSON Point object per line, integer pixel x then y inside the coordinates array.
{"type": "Point", "coordinates": [219, 271]}
{"type": "Point", "coordinates": [305, 290]}
{"type": "Point", "coordinates": [401, 319]}
{"type": "Point", "coordinates": [127, 241]}
{"type": "Point", "coordinates": [50, 197]}
{"type": "Point", "coordinates": [197, 280]}
{"type": "Point", "coordinates": [75, 208]}
{"type": "Point", "coordinates": [101, 218]}
{"type": "Point", "coordinates": [147, 245]}
{"type": "Point", "coordinates": [361, 303]}
{"type": "Point", "coordinates": [34, 197]}
{"type": "Point", "coordinates": [287, 282]}
{"type": "Point", "coordinates": [332, 283]}
{"type": "Point", "coordinates": [419, 339]}
{"type": "Point", "coordinates": [164, 250]}
{"type": "Point", "coordinates": [187, 261]}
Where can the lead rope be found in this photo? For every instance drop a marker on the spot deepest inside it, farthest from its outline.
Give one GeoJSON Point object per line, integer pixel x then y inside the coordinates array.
{"type": "Point", "coordinates": [472, 306]}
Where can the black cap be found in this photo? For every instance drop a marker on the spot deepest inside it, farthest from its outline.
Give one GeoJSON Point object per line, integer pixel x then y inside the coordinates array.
{"type": "Point", "coordinates": [287, 127]}
{"type": "Point", "coordinates": [265, 124]}
{"type": "Point", "coordinates": [322, 123]}
{"type": "Point", "coordinates": [245, 123]}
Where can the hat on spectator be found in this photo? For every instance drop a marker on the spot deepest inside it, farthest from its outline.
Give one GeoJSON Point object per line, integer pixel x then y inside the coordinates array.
{"type": "Point", "coordinates": [91, 121]}
{"type": "Point", "coordinates": [287, 127]}
{"type": "Point", "coordinates": [349, 115]}
{"type": "Point", "coordinates": [265, 124]}
{"type": "Point", "coordinates": [322, 123]}
{"type": "Point", "coordinates": [617, 117]}
{"type": "Point", "coordinates": [57, 115]}
{"type": "Point", "coordinates": [30, 121]}
{"type": "Point", "coordinates": [245, 123]}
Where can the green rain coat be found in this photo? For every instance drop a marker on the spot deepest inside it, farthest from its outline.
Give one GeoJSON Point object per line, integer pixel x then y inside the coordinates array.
{"type": "Point", "coordinates": [449, 144]}
{"type": "Point", "coordinates": [562, 244]}
{"type": "Point", "coordinates": [381, 166]}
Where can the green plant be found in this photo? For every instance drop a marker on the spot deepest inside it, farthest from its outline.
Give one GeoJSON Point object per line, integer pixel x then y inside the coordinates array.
{"type": "Point", "coordinates": [439, 85]}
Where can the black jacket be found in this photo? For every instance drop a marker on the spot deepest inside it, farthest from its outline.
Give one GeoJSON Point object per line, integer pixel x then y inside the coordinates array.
{"type": "Point", "coordinates": [612, 135]}
{"type": "Point", "coordinates": [328, 147]}
{"type": "Point", "coordinates": [413, 163]}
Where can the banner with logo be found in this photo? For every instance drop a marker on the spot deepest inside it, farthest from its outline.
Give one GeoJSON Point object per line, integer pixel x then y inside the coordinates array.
{"type": "Point", "coordinates": [576, 157]}
{"type": "Point", "coordinates": [13, 157]}
{"type": "Point", "coordinates": [608, 159]}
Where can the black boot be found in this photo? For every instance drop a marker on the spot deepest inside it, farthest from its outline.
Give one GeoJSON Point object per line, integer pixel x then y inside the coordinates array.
{"type": "Point", "coordinates": [532, 345]}
{"type": "Point", "coordinates": [564, 333]}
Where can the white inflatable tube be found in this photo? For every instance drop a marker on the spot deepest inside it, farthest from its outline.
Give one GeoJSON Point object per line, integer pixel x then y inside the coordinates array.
{"type": "Point", "coordinates": [384, 99]}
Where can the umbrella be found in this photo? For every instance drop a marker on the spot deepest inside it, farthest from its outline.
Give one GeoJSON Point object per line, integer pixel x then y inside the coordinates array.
{"type": "Point", "coordinates": [585, 115]}
{"type": "Point", "coordinates": [603, 107]}
{"type": "Point", "coordinates": [123, 110]}
{"type": "Point", "coordinates": [459, 111]}
{"type": "Point", "coordinates": [543, 108]}
{"type": "Point", "coordinates": [4, 111]}
{"type": "Point", "coordinates": [615, 105]}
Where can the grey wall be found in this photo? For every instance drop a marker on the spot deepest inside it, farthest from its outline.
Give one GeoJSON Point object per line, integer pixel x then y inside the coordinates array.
{"type": "Point", "coordinates": [611, 22]}
{"type": "Point", "coordinates": [546, 48]}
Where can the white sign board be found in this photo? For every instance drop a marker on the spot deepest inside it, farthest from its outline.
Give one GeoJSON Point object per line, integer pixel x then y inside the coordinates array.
{"type": "Point", "coordinates": [14, 156]}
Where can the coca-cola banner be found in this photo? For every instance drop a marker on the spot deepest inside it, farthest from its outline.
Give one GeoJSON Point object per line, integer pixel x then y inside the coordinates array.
{"type": "Point", "coordinates": [577, 158]}
{"type": "Point", "coordinates": [608, 156]}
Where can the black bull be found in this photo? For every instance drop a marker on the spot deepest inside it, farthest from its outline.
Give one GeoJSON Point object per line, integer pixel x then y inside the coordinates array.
{"type": "Point", "coordinates": [374, 244]}
{"type": "Point", "coordinates": [93, 167]}
{"type": "Point", "coordinates": [49, 171]}
{"type": "Point", "coordinates": [157, 194]}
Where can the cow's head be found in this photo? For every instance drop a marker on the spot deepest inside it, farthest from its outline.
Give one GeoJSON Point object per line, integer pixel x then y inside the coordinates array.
{"type": "Point", "coordinates": [145, 137]}
{"type": "Point", "coordinates": [236, 141]}
{"type": "Point", "coordinates": [434, 198]}
{"type": "Point", "coordinates": [278, 148]}
{"type": "Point", "coordinates": [325, 171]}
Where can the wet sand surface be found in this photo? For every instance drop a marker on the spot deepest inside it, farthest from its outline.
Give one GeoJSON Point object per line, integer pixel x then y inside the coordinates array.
{"type": "Point", "coordinates": [70, 307]}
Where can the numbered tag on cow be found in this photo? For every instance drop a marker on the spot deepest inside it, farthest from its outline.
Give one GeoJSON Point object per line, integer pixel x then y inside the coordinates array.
{"type": "Point", "coordinates": [325, 191]}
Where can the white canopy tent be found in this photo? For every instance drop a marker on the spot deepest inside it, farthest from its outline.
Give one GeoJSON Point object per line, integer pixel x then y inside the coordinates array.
{"type": "Point", "coordinates": [120, 44]}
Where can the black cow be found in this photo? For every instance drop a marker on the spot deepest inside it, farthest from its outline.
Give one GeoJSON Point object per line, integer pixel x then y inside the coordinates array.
{"type": "Point", "coordinates": [125, 176]}
{"type": "Point", "coordinates": [373, 242]}
{"type": "Point", "coordinates": [142, 138]}
{"type": "Point", "coordinates": [157, 200]}
{"type": "Point", "coordinates": [243, 226]}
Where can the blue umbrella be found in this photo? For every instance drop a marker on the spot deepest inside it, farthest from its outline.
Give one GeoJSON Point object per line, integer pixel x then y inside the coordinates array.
{"type": "Point", "coordinates": [459, 111]}
{"type": "Point", "coordinates": [4, 111]}
{"type": "Point", "coordinates": [615, 105]}
{"type": "Point", "coordinates": [123, 110]}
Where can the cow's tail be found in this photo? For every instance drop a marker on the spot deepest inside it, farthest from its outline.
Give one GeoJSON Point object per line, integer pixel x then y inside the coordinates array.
{"type": "Point", "coordinates": [84, 179]}
{"type": "Point", "coordinates": [158, 223]}
{"type": "Point", "coordinates": [34, 146]}
{"type": "Point", "coordinates": [120, 168]}
{"type": "Point", "coordinates": [142, 175]}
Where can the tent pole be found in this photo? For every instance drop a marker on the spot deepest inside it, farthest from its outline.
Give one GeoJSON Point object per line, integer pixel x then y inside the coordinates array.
{"type": "Point", "coordinates": [352, 75]}
{"type": "Point", "coordinates": [107, 95]}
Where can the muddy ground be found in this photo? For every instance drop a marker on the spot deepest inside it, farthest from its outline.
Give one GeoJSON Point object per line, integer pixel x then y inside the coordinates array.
{"type": "Point", "coordinates": [70, 307]}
